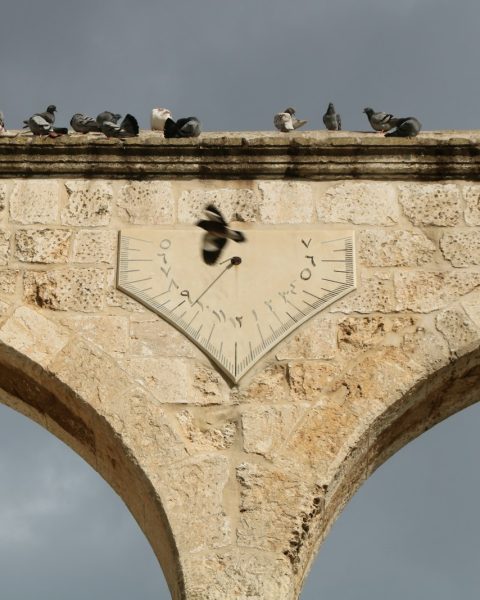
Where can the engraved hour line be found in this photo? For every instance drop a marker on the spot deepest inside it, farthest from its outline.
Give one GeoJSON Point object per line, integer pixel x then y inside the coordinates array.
{"type": "Point", "coordinates": [335, 240]}
{"type": "Point", "coordinates": [260, 332]}
{"type": "Point", "coordinates": [179, 304]}
{"type": "Point", "coordinates": [128, 238]}
{"type": "Point", "coordinates": [138, 280]}
{"type": "Point", "coordinates": [333, 281]}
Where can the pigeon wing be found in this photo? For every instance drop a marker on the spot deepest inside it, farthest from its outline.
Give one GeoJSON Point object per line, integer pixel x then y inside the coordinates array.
{"type": "Point", "coordinates": [212, 248]}
{"type": "Point", "coordinates": [38, 125]}
{"type": "Point", "coordinates": [214, 214]}
{"type": "Point", "coordinates": [188, 127]}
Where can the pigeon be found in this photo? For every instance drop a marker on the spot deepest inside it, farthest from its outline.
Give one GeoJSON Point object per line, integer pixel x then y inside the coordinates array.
{"type": "Point", "coordinates": [185, 127]}
{"type": "Point", "coordinates": [380, 121]}
{"type": "Point", "coordinates": [159, 116]}
{"type": "Point", "coordinates": [42, 123]}
{"type": "Point", "coordinates": [127, 128]}
{"type": "Point", "coordinates": [406, 127]}
{"type": "Point", "coordinates": [83, 124]}
{"type": "Point", "coordinates": [331, 119]}
{"type": "Point", "coordinates": [2, 123]}
{"type": "Point", "coordinates": [217, 234]}
{"type": "Point", "coordinates": [106, 115]}
{"type": "Point", "coordinates": [287, 121]}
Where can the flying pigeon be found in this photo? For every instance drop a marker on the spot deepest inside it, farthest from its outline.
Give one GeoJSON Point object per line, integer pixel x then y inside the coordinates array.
{"type": "Point", "coordinates": [287, 121]}
{"type": "Point", "coordinates": [407, 127]}
{"type": "Point", "coordinates": [127, 128]}
{"type": "Point", "coordinates": [159, 116]}
{"type": "Point", "coordinates": [217, 234]}
{"type": "Point", "coordinates": [83, 124]}
{"type": "Point", "coordinates": [2, 123]}
{"type": "Point", "coordinates": [332, 119]}
{"type": "Point", "coordinates": [42, 123]}
{"type": "Point", "coordinates": [186, 127]}
{"type": "Point", "coordinates": [380, 121]}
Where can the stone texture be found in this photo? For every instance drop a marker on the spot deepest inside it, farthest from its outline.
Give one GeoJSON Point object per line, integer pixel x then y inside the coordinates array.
{"type": "Point", "coordinates": [89, 203]}
{"type": "Point", "coordinates": [35, 201]}
{"type": "Point", "coordinates": [42, 245]}
{"type": "Point", "coordinates": [8, 281]}
{"type": "Point", "coordinates": [315, 340]}
{"type": "Point", "coordinates": [309, 381]}
{"type": "Point", "coordinates": [32, 334]}
{"type": "Point", "coordinates": [166, 379]}
{"type": "Point", "coordinates": [374, 293]}
{"type": "Point", "coordinates": [95, 246]}
{"type": "Point", "coordinates": [471, 193]}
{"type": "Point", "coordinates": [286, 202]}
{"type": "Point", "coordinates": [359, 203]}
{"type": "Point", "coordinates": [360, 333]}
{"type": "Point", "coordinates": [4, 247]}
{"type": "Point", "coordinates": [208, 431]}
{"type": "Point", "coordinates": [234, 203]}
{"type": "Point", "coordinates": [207, 387]}
{"type": "Point", "coordinates": [152, 336]}
{"type": "Point", "coordinates": [266, 428]}
{"type": "Point", "coordinates": [110, 333]}
{"type": "Point", "coordinates": [428, 291]}
{"type": "Point", "coordinates": [399, 248]}
{"type": "Point", "coordinates": [431, 204]}
{"type": "Point", "coordinates": [72, 289]}
{"type": "Point", "coordinates": [461, 248]}
{"type": "Point", "coordinates": [147, 203]}
{"type": "Point", "coordinates": [458, 329]}
{"type": "Point", "coordinates": [3, 199]}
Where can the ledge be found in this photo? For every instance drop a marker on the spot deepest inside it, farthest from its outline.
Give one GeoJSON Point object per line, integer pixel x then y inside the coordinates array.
{"type": "Point", "coordinates": [316, 155]}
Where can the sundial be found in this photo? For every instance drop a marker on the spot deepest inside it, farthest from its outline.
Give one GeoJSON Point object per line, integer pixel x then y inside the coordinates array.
{"type": "Point", "coordinates": [256, 294]}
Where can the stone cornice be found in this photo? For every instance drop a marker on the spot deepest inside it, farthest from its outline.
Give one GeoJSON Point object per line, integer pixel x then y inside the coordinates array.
{"type": "Point", "coordinates": [315, 155]}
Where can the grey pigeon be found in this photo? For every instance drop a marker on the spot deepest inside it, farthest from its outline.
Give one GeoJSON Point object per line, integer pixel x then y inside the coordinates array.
{"type": "Point", "coordinates": [332, 119]}
{"type": "Point", "coordinates": [185, 127]}
{"type": "Point", "coordinates": [380, 121]}
{"type": "Point", "coordinates": [2, 123]}
{"type": "Point", "coordinates": [127, 128]}
{"type": "Point", "coordinates": [406, 127]}
{"type": "Point", "coordinates": [106, 115]}
{"type": "Point", "coordinates": [42, 123]}
{"type": "Point", "coordinates": [83, 123]}
{"type": "Point", "coordinates": [217, 234]}
{"type": "Point", "coordinates": [287, 121]}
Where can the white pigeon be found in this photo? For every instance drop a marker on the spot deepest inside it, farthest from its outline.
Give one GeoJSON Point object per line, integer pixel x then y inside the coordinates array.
{"type": "Point", "coordinates": [159, 116]}
{"type": "Point", "coordinates": [2, 123]}
{"type": "Point", "coordinates": [287, 121]}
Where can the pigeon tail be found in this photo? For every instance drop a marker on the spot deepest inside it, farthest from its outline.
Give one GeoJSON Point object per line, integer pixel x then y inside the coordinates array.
{"type": "Point", "coordinates": [129, 125]}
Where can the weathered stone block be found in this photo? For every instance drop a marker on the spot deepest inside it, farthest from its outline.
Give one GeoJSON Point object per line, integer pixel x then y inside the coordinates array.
{"type": "Point", "coordinates": [110, 333]}
{"type": "Point", "coordinates": [207, 387]}
{"type": "Point", "coordinates": [8, 281]}
{"type": "Point", "coordinates": [359, 203]}
{"type": "Point", "coordinates": [3, 198]}
{"type": "Point", "coordinates": [4, 247]}
{"type": "Point", "coordinates": [374, 293]}
{"type": "Point", "coordinates": [95, 246]}
{"type": "Point", "coordinates": [147, 203]}
{"type": "Point", "coordinates": [235, 204]}
{"type": "Point", "coordinates": [89, 203]}
{"type": "Point", "coordinates": [66, 289]}
{"type": "Point", "coordinates": [428, 291]}
{"type": "Point", "coordinates": [360, 333]}
{"type": "Point", "coordinates": [380, 248]}
{"type": "Point", "coordinates": [308, 381]}
{"type": "Point", "coordinates": [471, 193]}
{"type": "Point", "coordinates": [461, 248]}
{"type": "Point", "coordinates": [166, 379]}
{"type": "Point", "coordinates": [265, 428]}
{"type": "Point", "coordinates": [115, 298]}
{"type": "Point", "coordinates": [35, 201]}
{"type": "Point", "coordinates": [431, 203]}
{"type": "Point", "coordinates": [286, 202]}
{"type": "Point", "coordinates": [42, 245]}
{"type": "Point", "coordinates": [207, 432]}
{"type": "Point", "coordinates": [458, 329]}
{"type": "Point", "coordinates": [270, 385]}
{"type": "Point", "coordinates": [152, 336]}
{"type": "Point", "coordinates": [316, 340]}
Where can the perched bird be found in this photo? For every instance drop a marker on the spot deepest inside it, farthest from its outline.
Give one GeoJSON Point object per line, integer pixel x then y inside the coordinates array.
{"type": "Point", "coordinates": [186, 127]}
{"type": "Point", "coordinates": [380, 121]}
{"type": "Point", "coordinates": [106, 115]}
{"type": "Point", "coordinates": [287, 121]}
{"type": "Point", "coordinates": [2, 123]}
{"type": "Point", "coordinates": [159, 116]}
{"type": "Point", "coordinates": [127, 128]}
{"type": "Point", "coordinates": [42, 123]}
{"type": "Point", "coordinates": [217, 234]}
{"type": "Point", "coordinates": [83, 123]}
{"type": "Point", "coordinates": [332, 119]}
{"type": "Point", "coordinates": [406, 127]}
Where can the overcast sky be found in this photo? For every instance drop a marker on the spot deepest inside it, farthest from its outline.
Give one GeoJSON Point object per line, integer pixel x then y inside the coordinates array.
{"type": "Point", "coordinates": [413, 530]}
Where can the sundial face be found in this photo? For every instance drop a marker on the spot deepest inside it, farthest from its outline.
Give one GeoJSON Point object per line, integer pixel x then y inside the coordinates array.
{"type": "Point", "coordinates": [256, 294]}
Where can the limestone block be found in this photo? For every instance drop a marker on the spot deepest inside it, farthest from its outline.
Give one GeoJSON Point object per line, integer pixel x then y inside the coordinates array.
{"type": "Point", "coordinates": [428, 291]}
{"type": "Point", "coordinates": [360, 333]}
{"type": "Point", "coordinates": [8, 281]}
{"type": "Point", "coordinates": [426, 348]}
{"type": "Point", "coordinates": [206, 432]}
{"type": "Point", "coordinates": [316, 340]}
{"type": "Point", "coordinates": [89, 203]}
{"type": "Point", "coordinates": [95, 246]}
{"type": "Point", "coordinates": [3, 307]}
{"type": "Point", "coordinates": [192, 494]}
{"type": "Point", "coordinates": [152, 336]}
{"type": "Point", "coordinates": [397, 248]}
{"type": "Point", "coordinates": [359, 203]}
{"type": "Point", "coordinates": [461, 248]}
{"type": "Point", "coordinates": [166, 379]}
{"type": "Point", "coordinates": [32, 334]}
{"type": "Point", "coordinates": [147, 203]}
{"type": "Point", "coordinates": [286, 202]}
{"type": "Point", "coordinates": [308, 381]}
{"type": "Point", "coordinates": [471, 194]}
{"type": "Point", "coordinates": [207, 387]}
{"type": "Point", "coordinates": [35, 201]}
{"type": "Point", "coordinates": [266, 428]}
{"type": "Point", "coordinates": [4, 247]}
{"type": "Point", "coordinates": [238, 575]}
{"type": "Point", "coordinates": [269, 385]}
{"type": "Point", "coordinates": [115, 298]}
{"type": "Point", "coordinates": [42, 245]}
{"type": "Point", "coordinates": [235, 204]}
{"type": "Point", "coordinates": [110, 333]}
{"type": "Point", "coordinates": [374, 293]}
{"type": "Point", "coordinates": [458, 329]}
{"type": "Point", "coordinates": [471, 305]}
{"type": "Point", "coordinates": [3, 198]}
{"type": "Point", "coordinates": [66, 289]}
{"type": "Point", "coordinates": [431, 203]}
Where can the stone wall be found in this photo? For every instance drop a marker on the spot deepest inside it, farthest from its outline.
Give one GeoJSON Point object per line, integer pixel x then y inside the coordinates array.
{"type": "Point", "coordinates": [236, 486]}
